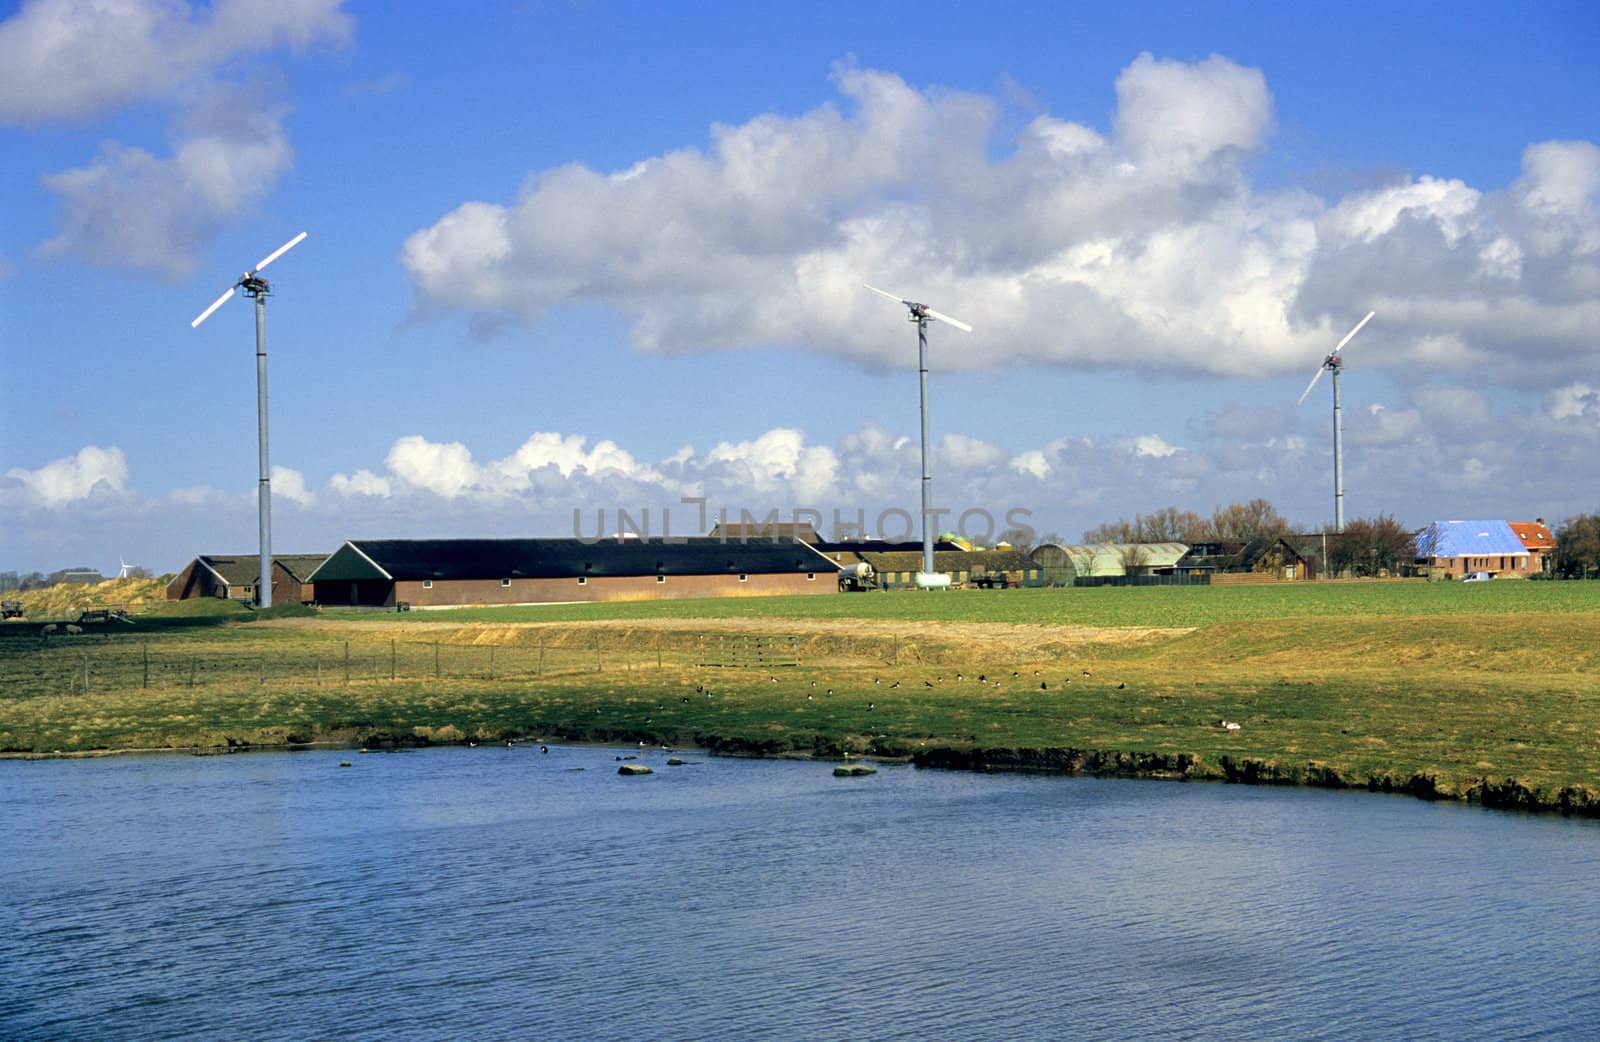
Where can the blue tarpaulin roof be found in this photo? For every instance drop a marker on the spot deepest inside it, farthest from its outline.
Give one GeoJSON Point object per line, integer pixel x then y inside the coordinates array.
{"type": "Point", "coordinates": [1469, 539]}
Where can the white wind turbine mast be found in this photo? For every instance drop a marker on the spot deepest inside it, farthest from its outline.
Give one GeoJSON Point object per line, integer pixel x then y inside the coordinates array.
{"type": "Point", "coordinates": [921, 314]}
{"type": "Point", "coordinates": [1334, 364]}
{"type": "Point", "coordinates": [256, 286]}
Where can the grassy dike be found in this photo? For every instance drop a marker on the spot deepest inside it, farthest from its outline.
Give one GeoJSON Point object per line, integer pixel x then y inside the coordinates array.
{"type": "Point", "coordinates": [1488, 692]}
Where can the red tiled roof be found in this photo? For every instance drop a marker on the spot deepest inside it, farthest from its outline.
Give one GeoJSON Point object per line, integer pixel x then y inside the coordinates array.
{"type": "Point", "coordinates": [1534, 536]}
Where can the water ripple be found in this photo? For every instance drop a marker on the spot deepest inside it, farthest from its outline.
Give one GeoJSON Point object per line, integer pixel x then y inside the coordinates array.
{"type": "Point", "coordinates": [449, 893]}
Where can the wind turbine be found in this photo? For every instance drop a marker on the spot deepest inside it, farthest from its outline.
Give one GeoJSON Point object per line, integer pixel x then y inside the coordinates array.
{"type": "Point", "coordinates": [256, 287]}
{"type": "Point", "coordinates": [921, 314]}
{"type": "Point", "coordinates": [1334, 364]}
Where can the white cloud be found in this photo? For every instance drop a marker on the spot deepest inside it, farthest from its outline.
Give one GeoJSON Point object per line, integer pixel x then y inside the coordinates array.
{"type": "Point", "coordinates": [1154, 445]}
{"type": "Point", "coordinates": [131, 209]}
{"type": "Point", "coordinates": [1032, 463]}
{"type": "Point", "coordinates": [445, 469]}
{"type": "Point", "coordinates": [1143, 248]}
{"type": "Point", "coordinates": [65, 59]}
{"type": "Point", "coordinates": [1575, 400]}
{"type": "Point", "coordinates": [70, 479]}
{"type": "Point", "coordinates": [291, 485]}
{"type": "Point", "coordinates": [362, 483]}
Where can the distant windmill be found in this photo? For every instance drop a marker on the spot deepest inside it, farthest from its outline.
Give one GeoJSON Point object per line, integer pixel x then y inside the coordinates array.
{"type": "Point", "coordinates": [1334, 364]}
{"type": "Point", "coordinates": [921, 314]}
{"type": "Point", "coordinates": [125, 570]}
{"type": "Point", "coordinates": [256, 286]}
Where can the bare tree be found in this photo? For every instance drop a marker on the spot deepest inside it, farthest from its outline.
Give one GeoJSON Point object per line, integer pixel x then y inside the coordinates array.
{"type": "Point", "coordinates": [1371, 546]}
{"type": "Point", "coordinates": [1168, 525]}
{"type": "Point", "coordinates": [1578, 546]}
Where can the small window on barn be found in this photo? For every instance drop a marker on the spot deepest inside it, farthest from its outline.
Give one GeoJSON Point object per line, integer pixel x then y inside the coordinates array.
{"type": "Point", "coordinates": [427, 584]}
{"type": "Point", "coordinates": [583, 580]}
{"type": "Point", "coordinates": [504, 583]}
{"type": "Point", "coordinates": [743, 577]}
{"type": "Point", "coordinates": [811, 577]}
{"type": "Point", "coordinates": [661, 578]}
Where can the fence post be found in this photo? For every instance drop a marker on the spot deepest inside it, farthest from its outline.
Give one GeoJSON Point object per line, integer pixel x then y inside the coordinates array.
{"type": "Point", "coordinates": [599, 664]}
{"type": "Point", "coordinates": [436, 660]}
{"type": "Point", "coordinates": [86, 673]}
{"type": "Point", "coordinates": [540, 670]}
{"type": "Point", "coordinates": [391, 658]}
{"type": "Point", "coordinates": [347, 663]}
{"type": "Point", "coordinates": [491, 661]}
{"type": "Point", "coordinates": [147, 664]}
{"type": "Point", "coordinates": [658, 649]}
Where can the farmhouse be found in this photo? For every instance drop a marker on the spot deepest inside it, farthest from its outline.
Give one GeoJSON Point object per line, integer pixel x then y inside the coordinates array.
{"type": "Point", "coordinates": [235, 576]}
{"type": "Point", "coordinates": [1541, 545]}
{"type": "Point", "coordinates": [452, 572]}
{"type": "Point", "coordinates": [1451, 549]}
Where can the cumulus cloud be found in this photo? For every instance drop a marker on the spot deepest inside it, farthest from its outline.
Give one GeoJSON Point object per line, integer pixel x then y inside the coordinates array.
{"type": "Point", "coordinates": [68, 480]}
{"type": "Point", "coordinates": [290, 484]}
{"type": "Point", "coordinates": [155, 208]}
{"type": "Point", "coordinates": [133, 209]}
{"type": "Point", "coordinates": [362, 483]}
{"type": "Point", "coordinates": [67, 59]}
{"type": "Point", "coordinates": [1142, 247]}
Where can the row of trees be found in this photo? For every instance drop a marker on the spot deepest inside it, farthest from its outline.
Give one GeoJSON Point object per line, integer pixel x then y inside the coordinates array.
{"type": "Point", "coordinates": [1256, 524]}
{"type": "Point", "coordinates": [1367, 546]}
{"type": "Point", "coordinates": [24, 581]}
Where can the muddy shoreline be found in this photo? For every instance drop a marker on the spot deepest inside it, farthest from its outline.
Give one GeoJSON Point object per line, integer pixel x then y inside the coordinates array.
{"type": "Point", "coordinates": [1504, 794]}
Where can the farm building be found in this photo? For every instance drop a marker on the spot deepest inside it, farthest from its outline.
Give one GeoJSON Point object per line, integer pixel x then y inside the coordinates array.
{"type": "Point", "coordinates": [897, 569]}
{"type": "Point", "coordinates": [1452, 549]}
{"type": "Point", "coordinates": [1065, 565]}
{"type": "Point", "coordinates": [235, 575]}
{"type": "Point", "coordinates": [425, 573]}
{"type": "Point", "coordinates": [1541, 545]}
{"type": "Point", "coordinates": [770, 531]}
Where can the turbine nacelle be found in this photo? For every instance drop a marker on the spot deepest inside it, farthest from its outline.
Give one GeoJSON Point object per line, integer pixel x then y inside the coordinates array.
{"type": "Point", "coordinates": [250, 281]}
{"type": "Point", "coordinates": [921, 312]}
{"type": "Point", "coordinates": [1333, 361]}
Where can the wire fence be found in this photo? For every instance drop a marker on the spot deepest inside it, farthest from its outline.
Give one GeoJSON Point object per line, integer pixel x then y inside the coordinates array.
{"type": "Point", "coordinates": [83, 664]}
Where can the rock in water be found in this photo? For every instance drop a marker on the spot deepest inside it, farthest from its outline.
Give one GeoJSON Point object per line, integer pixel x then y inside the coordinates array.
{"type": "Point", "coordinates": [854, 770]}
{"type": "Point", "coordinates": [634, 768]}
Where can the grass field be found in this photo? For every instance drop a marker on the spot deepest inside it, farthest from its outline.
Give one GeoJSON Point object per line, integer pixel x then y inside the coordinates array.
{"type": "Point", "coordinates": [1487, 691]}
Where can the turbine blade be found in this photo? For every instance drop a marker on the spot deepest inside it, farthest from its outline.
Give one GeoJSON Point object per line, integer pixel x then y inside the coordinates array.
{"type": "Point", "coordinates": [1307, 392]}
{"type": "Point", "coordinates": [215, 304]}
{"type": "Point", "coordinates": [279, 252]}
{"type": "Point", "coordinates": [891, 296]}
{"type": "Point", "coordinates": [1353, 332]}
{"type": "Point", "coordinates": [948, 320]}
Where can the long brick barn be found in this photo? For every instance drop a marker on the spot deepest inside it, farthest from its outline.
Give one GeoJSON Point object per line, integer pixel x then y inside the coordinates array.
{"type": "Point", "coordinates": [425, 573]}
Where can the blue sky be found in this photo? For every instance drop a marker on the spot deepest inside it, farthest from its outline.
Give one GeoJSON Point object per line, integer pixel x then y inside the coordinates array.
{"type": "Point", "coordinates": [600, 256]}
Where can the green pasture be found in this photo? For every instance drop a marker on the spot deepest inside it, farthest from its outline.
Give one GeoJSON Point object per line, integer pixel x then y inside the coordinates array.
{"type": "Point", "coordinates": [1375, 684]}
{"type": "Point", "coordinates": [1163, 606]}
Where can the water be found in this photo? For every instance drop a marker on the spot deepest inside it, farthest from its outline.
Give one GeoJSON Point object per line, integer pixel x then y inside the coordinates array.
{"type": "Point", "coordinates": [501, 893]}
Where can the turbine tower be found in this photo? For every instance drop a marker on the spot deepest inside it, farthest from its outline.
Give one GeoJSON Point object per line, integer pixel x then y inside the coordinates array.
{"type": "Point", "coordinates": [1334, 364]}
{"type": "Point", "coordinates": [921, 314]}
{"type": "Point", "coordinates": [256, 287]}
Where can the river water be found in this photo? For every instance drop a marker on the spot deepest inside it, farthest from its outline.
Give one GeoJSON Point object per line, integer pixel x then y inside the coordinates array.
{"type": "Point", "coordinates": [507, 893]}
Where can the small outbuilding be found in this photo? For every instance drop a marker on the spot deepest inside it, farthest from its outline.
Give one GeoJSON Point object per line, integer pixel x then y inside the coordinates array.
{"type": "Point", "coordinates": [425, 573]}
{"type": "Point", "coordinates": [235, 576]}
{"type": "Point", "coordinates": [1065, 564]}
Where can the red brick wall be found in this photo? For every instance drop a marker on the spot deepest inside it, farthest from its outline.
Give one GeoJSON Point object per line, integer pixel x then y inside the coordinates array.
{"type": "Point", "coordinates": [609, 588]}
